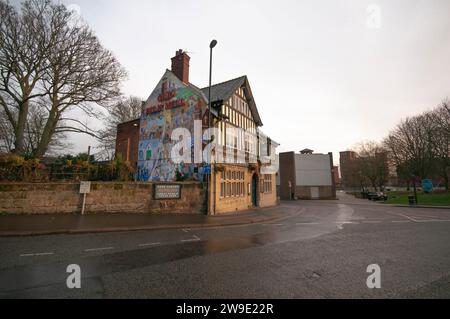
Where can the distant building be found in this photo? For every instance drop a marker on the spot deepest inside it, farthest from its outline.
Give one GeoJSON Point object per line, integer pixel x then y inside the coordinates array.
{"type": "Point", "coordinates": [336, 176]}
{"type": "Point", "coordinates": [127, 141]}
{"type": "Point", "coordinates": [306, 176]}
{"type": "Point", "coordinates": [348, 179]}
{"type": "Point", "coordinates": [351, 176]}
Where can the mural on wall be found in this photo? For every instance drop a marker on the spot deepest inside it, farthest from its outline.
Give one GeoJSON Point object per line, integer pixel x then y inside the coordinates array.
{"type": "Point", "coordinates": [172, 104]}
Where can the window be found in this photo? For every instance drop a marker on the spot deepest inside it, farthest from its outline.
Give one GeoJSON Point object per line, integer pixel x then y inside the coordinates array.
{"type": "Point", "coordinates": [266, 184]}
{"type": "Point", "coordinates": [222, 189]}
{"type": "Point", "coordinates": [232, 184]}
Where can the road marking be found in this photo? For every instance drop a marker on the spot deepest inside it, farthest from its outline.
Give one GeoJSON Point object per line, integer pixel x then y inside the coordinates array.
{"type": "Point", "coordinates": [402, 215]}
{"type": "Point", "coordinates": [196, 238]}
{"type": "Point", "coordinates": [36, 254]}
{"type": "Point", "coordinates": [433, 220]}
{"type": "Point", "coordinates": [400, 221]}
{"type": "Point", "coordinates": [273, 224]}
{"type": "Point", "coordinates": [412, 219]}
{"type": "Point", "coordinates": [97, 249]}
{"type": "Point", "coordinates": [346, 222]}
{"type": "Point", "coordinates": [185, 230]}
{"type": "Point", "coordinates": [307, 223]}
{"type": "Point", "coordinates": [426, 216]}
{"type": "Point", "coordinates": [149, 244]}
{"type": "Point", "coordinates": [340, 226]}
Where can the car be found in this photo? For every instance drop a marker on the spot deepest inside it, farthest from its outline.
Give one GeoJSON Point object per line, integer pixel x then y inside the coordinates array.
{"type": "Point", "coordinates": [376, 196]}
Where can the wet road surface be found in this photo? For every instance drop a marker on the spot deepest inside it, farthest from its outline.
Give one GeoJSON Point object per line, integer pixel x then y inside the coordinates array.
{"type": "Point", "coordinates": [321, 251]}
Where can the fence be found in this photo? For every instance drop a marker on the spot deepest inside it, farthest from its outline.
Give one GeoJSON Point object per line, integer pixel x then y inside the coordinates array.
{"type": "Point", "coordinates": [35, 171]}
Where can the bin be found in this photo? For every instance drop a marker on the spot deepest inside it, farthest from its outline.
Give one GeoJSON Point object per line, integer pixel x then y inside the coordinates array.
{"type": "Point", "coordinates": [411, 200]}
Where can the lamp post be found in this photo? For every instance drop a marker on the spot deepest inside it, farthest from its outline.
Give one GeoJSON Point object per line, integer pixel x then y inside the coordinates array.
{"type": "Point", "coordinates": [208, 178]}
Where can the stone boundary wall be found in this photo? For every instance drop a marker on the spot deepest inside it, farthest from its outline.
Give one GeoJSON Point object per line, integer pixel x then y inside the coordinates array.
{"type": "Point", "coordinates": [105, 197]}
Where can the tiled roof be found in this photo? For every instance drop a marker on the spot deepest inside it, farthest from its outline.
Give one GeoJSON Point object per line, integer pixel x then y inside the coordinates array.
{"type": "Point", "coordinates": [223, 91]}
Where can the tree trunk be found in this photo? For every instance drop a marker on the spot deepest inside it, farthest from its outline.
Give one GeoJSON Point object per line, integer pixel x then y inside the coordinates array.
{"type": "Point", "coordinates": [47, 135]}
{"type": "Point", "coordinates": [446, 178]}
{"type": "Point", "coordinates": [19, 133]}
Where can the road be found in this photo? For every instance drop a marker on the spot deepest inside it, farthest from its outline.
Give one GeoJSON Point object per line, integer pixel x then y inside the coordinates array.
{"type": "Point", "coordinates": [321, 251]}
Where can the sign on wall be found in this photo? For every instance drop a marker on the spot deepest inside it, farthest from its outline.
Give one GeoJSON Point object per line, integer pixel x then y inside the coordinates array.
{"type": "Point", "coordinates": [167, 191]}
{"type": "Point", "coordinates": [85, 187]}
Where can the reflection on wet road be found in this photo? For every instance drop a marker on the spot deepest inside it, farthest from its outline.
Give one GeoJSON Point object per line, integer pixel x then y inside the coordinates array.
{"type": "Point", "coordinates": [33, 274]}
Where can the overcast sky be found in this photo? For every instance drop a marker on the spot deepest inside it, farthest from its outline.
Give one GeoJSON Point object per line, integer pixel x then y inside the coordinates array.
{"type": "Point", "coordinates": [325, 74]}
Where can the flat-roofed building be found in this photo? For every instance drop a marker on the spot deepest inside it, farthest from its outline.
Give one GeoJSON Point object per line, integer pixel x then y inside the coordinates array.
{"type": "Point", "coordinates": [306, 176]}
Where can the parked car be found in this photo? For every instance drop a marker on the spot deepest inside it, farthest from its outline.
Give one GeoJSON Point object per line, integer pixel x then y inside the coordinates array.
{"type": "Point", "coordinates": [376, 196]}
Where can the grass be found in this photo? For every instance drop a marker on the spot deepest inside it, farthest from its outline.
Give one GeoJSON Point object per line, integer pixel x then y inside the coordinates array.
{"type": "Point", "coordinates": [432, 199]}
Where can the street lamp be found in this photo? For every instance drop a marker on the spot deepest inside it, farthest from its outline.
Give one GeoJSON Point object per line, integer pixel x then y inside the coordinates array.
{"type": "Point", "coordinates": [209, 179]}
{"type": "Point", "coordinates": [211, 46]}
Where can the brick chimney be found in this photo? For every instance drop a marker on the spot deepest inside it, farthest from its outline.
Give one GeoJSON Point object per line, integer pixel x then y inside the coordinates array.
{"type": "Point", "coordinates": [180, 65]}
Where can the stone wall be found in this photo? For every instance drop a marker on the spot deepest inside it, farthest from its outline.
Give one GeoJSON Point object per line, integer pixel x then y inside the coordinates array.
{"type": "Point", "coordinates": [110, 197]}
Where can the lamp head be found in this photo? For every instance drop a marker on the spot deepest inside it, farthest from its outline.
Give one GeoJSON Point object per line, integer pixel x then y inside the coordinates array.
{"type": "Point", "coordinates": [212, 44]}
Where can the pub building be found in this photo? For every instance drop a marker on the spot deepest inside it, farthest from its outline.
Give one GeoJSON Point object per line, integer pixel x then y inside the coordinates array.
{"type": "Point", "coordinates": [246, 179]}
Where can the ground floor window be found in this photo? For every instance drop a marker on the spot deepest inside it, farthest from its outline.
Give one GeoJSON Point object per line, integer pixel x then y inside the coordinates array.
{"type": "Point", "coordinates": [266, 184]}
{"type": "Point", "coordinates": [232, 183]}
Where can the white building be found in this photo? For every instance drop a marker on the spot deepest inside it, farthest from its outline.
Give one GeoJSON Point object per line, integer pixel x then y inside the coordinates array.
{"type": "Point", "coordinates": [306, 175]}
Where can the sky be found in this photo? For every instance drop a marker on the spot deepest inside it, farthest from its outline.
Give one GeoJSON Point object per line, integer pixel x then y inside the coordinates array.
{"type": "Point", "coordinates": [325, 74]}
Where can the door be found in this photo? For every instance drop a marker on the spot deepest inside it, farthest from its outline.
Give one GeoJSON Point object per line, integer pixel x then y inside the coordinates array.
{"type": "Point", "coordinates": [254, 189]}
{"type": "Point", "coordinates": [315, 192]}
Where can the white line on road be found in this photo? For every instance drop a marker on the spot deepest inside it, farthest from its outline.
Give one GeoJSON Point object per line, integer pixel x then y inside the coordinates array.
{"type": "Point", "coordinates": [36, 254]}
{"type": "Point", "coordinates": [433, 220]}
{"type": "Point", "coordinates": [149, 244]}
{"type": "Point", "coordinates": [426, 216]}
{"type": "Point", "coordinates": [273, 224]}
{"type": "Point", "coordinates": [196, 238]}
{"type": "Point", "coordinates": [402, 215]}
{"type": "Point", "coordinates": [97, 249]}
{"type": "Point", "coordinates": [185, 230]}
{"type": "Point", "coordinates": [400, 221]}
{"type": "Point", "coordinates": [307, 224]}
{"type": "Point", "coordinates": [346, 222]}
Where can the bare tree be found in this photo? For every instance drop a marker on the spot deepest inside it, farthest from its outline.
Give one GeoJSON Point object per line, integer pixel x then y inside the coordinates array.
{"type": "Point", "coordinates": [33, 132]}
{"type": "Point", "coordinates": [439, 119]}
{"type": "Point", "coordinates": [372, 164]}
{"type": "Point", "coordinates": [412, 144]}
{"type": "Point", "coordinates": [71, 70]}
{"type": "Point", "coordinates": [126, 109]}
{"type": "Point", "coordinates": [22, 61]}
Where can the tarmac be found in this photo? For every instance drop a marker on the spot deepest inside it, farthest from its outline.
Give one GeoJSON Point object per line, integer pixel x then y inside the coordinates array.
{"type": "Point", "coordinates": [45, 224]}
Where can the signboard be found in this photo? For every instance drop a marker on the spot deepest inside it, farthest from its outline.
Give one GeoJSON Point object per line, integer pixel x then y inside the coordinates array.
{"type": "Point", "coordinates": [167, 191]}
{"type": "Point", "coordinates": [85, 187]}
{"type": "Point", "coordinates": [427, 185]}
{"type": "Point", "coordinates": [207, 169]}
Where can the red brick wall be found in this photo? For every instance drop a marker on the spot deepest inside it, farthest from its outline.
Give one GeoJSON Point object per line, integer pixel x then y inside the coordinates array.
{"type": "Point", "coordinates": [287, 173]}
{"type": "Point", "coordinates": [127, 141]}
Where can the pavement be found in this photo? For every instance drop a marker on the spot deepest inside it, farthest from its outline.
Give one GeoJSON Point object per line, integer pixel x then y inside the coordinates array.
{"type": "Point", "coordinates": [46, 224]}
{"type": "Point", "coordinates": [27, 225]}
{"type": "Point", "coordinates": [322, 249]}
